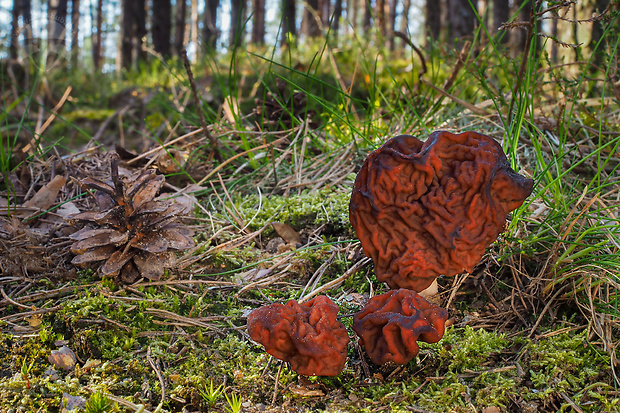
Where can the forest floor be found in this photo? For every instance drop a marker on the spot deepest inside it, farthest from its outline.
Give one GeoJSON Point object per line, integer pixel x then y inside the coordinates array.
{"type": "Point", "coordinates": [532, 329]}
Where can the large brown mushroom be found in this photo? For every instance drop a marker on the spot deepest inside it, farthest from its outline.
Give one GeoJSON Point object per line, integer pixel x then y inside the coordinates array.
{"type": "Point", "coordinates": [422, 210]}
{"type": "Point", "coordinates": [391, 324]}
{"type": "Point", "coordinates": [307, 335]}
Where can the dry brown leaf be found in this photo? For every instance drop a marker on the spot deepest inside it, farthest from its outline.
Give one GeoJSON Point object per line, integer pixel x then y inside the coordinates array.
{"type": "Point", "coordinates": [34, 320]}
{"type": "Point", "coordinates": [63, 358]}
{"type": "Point", "coordinates": [170, 161]}
{"type": "Point", "coordinates": [45, 197]}
{"type": "Point", "coordinates": [287, 233]}
{"type": "Point", "coordinates": [491, 409]}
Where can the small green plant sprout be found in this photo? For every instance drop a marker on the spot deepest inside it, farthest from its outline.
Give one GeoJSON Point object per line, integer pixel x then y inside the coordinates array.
{"type": "Point", "coordinates": [234, 402]}
{"type": "Point", "coordinates": [211, 394]}
{"type": "Point", "coordinates": [25, 370]}
{"type": "Point", "coordinates": [99, 403]}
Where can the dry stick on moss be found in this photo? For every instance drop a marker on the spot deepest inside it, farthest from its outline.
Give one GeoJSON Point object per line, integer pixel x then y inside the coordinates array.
{"type": "Point", "coordinates": [275, 387]}
{"type": "Point", "coordinates": [355, 268]}
{"type": "Point", "coordinates": [201, 116]}
{"type": "Point", "coordinates": [159, 376]}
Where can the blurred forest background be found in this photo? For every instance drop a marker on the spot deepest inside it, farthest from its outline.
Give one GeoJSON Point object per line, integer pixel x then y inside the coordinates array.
{"type": "Point", "coordinates": [106, 35]}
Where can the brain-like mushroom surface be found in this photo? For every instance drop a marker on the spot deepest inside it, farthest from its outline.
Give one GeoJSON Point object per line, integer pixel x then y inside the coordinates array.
{"type": "Point", "coordinates": [306, 335]}
{"type": "Point", "coordinates": [391, 324]}
{"type": "Point", "coordinates": [422, 210]}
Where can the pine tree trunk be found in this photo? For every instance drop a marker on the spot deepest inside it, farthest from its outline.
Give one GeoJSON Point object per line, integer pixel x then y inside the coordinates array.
{"type": "Point", "coordinates": [597, 32]}
{"type": "Point", "coordinates": [128, 33]}
{"type": "Point", "coordinates": [56, 30]}
{"type": "Point", "coordinates": [461, 21]}
{"type": "Point", "coordinates": [380, 16]}
{"type": "Point", "coordinates": [210, 32]}
{"type": "Point", "coordinates": [433, 19]}
{"type": "Point", "coordinates": [75, 30]}
{"type": "Point", "coordinates": [26, 10]}
{"type": "Point", "coordinates": [336, 18]}
{"type": "Point", "coordinates": [162, 25]}
{"type": "Point", "coordinates": [193, 29]}
{"type": "Point", "coordinates": [179, 26]}
{"type": "Point", "coordinates": [501, 14]}
{"type": "Point", "coordinates": [367, 15]}
{"type": "Point", "coordinates": [13, 46]}
{"type": "Point", "coordinates": [96, 36]}
{"type": "Point", "coordinates": [258, 26]}
{"type": "Point", "coordinates": [391, 23]}
{"type": "Point", "coordinates": [289, 29]}
{"type": "Point", "coordinates": [310, 26]}
{"type": "Point", "coordinates": [352, 10]}
{"type": "Point", "coordinates": [404, 23]}
{"type": "Point", "coordinates": [236, 23]}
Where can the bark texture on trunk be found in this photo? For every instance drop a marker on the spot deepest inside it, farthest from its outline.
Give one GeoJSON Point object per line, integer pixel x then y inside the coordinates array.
{"type": "Point", "coordinates": [210, 34]}
{"type": "Point", "coordinates": [288, 21]}
{"type": "Point", "coordinates": [179, 26]}
{"type": "Point", "coordinates": [162, 26]}
{"type": "Point", "coordinates": [461, 21]}
{"type": "Point", "coordinates": [432, 18]}
{"type": "Point", "coordinates": [258, 25]}
{"type": "Point", "coordinates": [310, 26]}
{"type": "Point", "coordinates": [237, 23]}
{"type": "Point", "coordinates": [75, 33]}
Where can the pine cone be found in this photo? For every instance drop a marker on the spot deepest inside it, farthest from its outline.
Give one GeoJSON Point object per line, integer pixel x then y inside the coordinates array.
{"type": "Point", "coordinates": [133, 233]}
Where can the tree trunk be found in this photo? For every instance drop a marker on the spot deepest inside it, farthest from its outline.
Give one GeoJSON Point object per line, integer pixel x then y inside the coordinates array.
{"type": "Point", "coordinates": [597, 32]}
{"type": "Point", "coordinates": [404, 23]}
{"type": "Point", "coordinates": [210, 32]}
{"type": "Point", "coordinates": [26, 10]}
{"type": "Point", "coordinates": [97, 36]}
{"type": "Point", "coordinates": [75, 28]}
{"type": "Point", "coordinates": [236, 23]}
{"type": "Point", "coordinates": [258, 26]}
{"type": "Point", "coordinates": [324, 12]}
{"type": "Point", "coordinates": [391, 23]}
{"type": "Point", "coordinates": [140, 28]}
{"type": "Point", "coordinates": [380, 16]}
{"type": "Point", "coordinates": [352, 10]}
{"type": "Point", "coordinates": [310, 26]}
{"type": "Point", "coordinates": [162, 24]}
{"type": "Point", "coordinates": [433, 19]}
{"type": "Point", "coordinates": [367, 15]}
{"type": "Point", "coordinates": [336, 18]}
{"type": "Point", "coordinates": [13, 46]}
{"type": "Point", "coordinates": [501, 14]}
{"type": "Point", "coordinates": [193, 29]}
{"type": "Point", "coordinates": [289, 28]}
{"type": "Point", "coordinates": [56, 30]}
{"type": "Point", "coordinates": [179, 26]}
{"type": "Point", "coordinates": [461, 21]}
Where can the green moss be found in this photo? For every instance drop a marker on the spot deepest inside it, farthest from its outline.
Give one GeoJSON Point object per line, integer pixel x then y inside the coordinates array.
{"type": "Point", "coordinates": [471, 348]}
{"type": "Point", "coordinates": [326, 206]}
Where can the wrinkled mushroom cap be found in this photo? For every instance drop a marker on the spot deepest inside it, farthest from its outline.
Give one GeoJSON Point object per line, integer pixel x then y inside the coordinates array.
{"type": "Point", "coordinates": [422, 210]}
{"type": "Point", "coordinates": [391, 324]}
{"type": "Point", "coordinates": [307, 335]}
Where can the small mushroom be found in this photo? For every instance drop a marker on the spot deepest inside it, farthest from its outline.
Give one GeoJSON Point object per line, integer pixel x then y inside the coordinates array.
{"type": "Point", "coordinates": [307, 335]}
{"type": "Point", "coordinates": [391, 324]}
{"type": "Point", "coordinates": [422, 210]}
